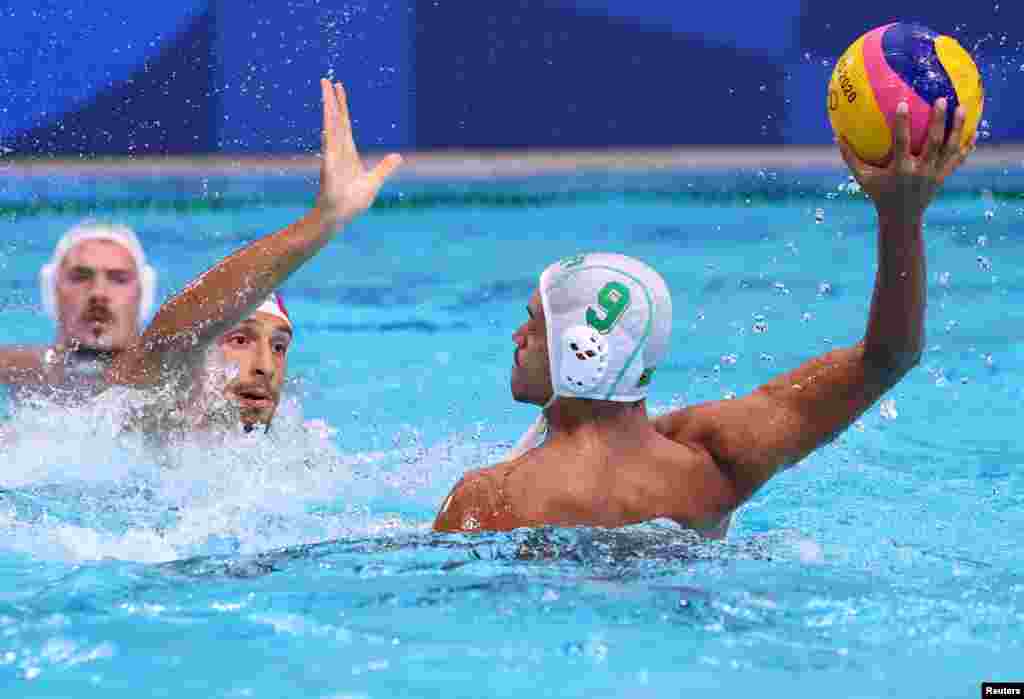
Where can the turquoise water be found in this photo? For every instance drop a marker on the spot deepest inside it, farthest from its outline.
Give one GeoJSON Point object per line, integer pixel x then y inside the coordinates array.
{"type": "Point", "coordinates": [887, 564]}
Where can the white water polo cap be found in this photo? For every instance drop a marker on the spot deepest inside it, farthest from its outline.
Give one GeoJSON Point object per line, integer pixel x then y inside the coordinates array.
{"type": "Point", "coordinates": [89, 230]}
{"type": "Point", "coordinates": [609, 321]}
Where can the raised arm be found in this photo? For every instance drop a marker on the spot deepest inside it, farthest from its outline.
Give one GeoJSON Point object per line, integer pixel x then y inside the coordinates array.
{"type": "Point", "coordinates": [753, 437]}
{"type": "Point", "coordinates": [23, 365]}
{"type": "Point", "coordinates": [187, 324]}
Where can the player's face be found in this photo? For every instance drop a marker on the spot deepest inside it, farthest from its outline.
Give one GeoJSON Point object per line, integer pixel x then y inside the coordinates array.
{"type": "Point", "coordinates": [531, 372]}
{"type": "Point", "coordinates": [98, 295]}
{"type": "Point", "coordinates": [259, 348]}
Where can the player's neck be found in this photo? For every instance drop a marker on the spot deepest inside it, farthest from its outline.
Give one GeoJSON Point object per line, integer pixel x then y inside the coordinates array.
{"type": "Point", "coordinates": [577, 417]}
{"type": "Point", "coordinates": [73, 360]}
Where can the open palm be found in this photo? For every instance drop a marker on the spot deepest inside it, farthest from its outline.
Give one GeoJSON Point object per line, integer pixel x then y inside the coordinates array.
{"type": "Point", "coordinates": [347, 188]}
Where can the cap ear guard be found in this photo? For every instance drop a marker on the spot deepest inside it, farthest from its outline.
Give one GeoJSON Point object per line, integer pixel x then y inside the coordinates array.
{"type": "Point", "coordinates": [584, 359]}
{"type": "Point", "coordinates": [147, 296]}
{"type": "Point", "coordinates": [48, 289]}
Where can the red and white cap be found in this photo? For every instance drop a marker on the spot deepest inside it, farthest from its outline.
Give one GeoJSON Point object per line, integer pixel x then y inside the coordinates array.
{"type": "Point", "coordinates": [274, 305]}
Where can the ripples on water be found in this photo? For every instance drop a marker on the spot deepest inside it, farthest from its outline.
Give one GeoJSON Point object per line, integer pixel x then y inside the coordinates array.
{"type": "Point", "coordinates": [301, 562]}
{"type": "Point", "coordinates": [249, 542]}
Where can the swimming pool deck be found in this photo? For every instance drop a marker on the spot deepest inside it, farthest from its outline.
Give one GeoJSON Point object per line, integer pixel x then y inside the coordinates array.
{"type": "Point", "coordinates": [482, 164]}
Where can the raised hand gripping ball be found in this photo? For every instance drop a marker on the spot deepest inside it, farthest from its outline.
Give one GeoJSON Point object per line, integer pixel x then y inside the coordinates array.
{"type": "Point", "coordinates": [896, 63]}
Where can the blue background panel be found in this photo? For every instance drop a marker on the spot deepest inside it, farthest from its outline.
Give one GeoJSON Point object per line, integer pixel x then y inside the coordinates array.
{"type": "Point", "coordinates": [270, 57]}
{"type": "Point", "coordinates": [240, 76]}
{"type": "Point", "coordinates": [548, 76]}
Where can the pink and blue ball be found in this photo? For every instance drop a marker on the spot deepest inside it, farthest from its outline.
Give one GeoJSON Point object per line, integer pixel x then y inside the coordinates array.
{"type": "Point", "coordinates": [895, 63]}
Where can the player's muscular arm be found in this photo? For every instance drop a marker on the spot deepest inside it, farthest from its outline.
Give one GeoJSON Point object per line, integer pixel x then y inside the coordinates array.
{"type": "Point", "coordinates": [22, 365]}
{"type": "Point", "coordinates": [780, 423]}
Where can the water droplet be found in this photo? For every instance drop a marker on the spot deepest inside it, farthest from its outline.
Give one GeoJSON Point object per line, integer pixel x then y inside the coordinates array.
{"type": "Point", "coordinates": [984, 264]}
{"type": "Point", "coordinates": [819, 215]}
{"type": "Point", "coordinates": [572, 648]}
{"type": "Point", "coordinates": [824, 289]}
{"type": "Point", "coordinates": [944, 278]}
{"type": "Point", "coordinates": [887, 408]}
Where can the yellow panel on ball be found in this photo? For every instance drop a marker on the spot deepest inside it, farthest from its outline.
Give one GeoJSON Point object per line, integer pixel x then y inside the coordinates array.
{"type": "Point", "coordinates": [853, 110]}
{"type": "Point", "coordinates": [963, 73]}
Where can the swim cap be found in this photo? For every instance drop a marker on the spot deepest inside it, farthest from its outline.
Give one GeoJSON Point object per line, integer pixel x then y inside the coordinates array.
{"type": "Point", "coordinates": [274, 305]}
{"type": "Point", "coordinates": [609, 318]}
{"type": "Point", "coordinates": [116, 233]}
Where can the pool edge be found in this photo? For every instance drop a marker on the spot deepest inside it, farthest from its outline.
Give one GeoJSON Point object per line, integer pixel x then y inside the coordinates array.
{"type": "Point", "coordinates": [481, 164]}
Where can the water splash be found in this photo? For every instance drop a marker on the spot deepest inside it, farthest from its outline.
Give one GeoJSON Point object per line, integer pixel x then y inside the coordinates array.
{"type": "Point", "coordinates": [104, 491]}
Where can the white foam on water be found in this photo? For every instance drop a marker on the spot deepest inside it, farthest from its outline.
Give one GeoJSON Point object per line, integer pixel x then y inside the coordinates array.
{"type": "Point", "coordinates": [76, 485]}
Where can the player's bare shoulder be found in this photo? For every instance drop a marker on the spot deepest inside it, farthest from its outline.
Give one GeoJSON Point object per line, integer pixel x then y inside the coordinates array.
{"type": "Point", "coordinates": [470, 504]}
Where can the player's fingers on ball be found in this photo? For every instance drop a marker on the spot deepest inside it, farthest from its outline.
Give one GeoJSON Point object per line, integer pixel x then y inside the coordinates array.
{"type": "Point", "coordinates": [936, 131]}
{"type": "Point", "coordinates": [901, 134]}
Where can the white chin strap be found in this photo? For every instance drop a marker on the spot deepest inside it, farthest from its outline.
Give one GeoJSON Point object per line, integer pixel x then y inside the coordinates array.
{"type": "Point", "coordinates": [583, 368]}
{"type": "Point", "coordinates": [532, 438]}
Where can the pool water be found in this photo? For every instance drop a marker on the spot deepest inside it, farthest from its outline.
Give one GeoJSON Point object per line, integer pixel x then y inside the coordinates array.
{"type": "Point", "coordinates": [889, 563]}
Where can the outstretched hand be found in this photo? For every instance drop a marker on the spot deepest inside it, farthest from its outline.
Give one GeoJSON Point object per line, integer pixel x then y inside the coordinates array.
{"type": "Point", "coordinates": [907, 185]}
{"type": "Point", "coordinates": [347, 188]}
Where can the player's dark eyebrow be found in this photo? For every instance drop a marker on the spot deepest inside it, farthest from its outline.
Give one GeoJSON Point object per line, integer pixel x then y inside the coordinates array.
{"type": "Point", "coordinates": [280, 328]}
